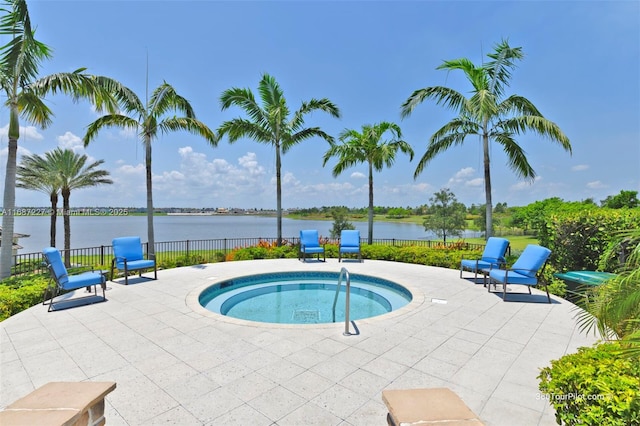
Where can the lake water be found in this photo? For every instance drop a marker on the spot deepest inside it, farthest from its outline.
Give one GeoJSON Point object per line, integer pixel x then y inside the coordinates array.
{"type": "Point", "coordinates": [92, 231]}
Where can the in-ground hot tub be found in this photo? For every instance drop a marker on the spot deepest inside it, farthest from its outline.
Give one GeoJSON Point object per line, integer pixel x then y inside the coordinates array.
{"type": "Point", "coordinates": [303, 297]}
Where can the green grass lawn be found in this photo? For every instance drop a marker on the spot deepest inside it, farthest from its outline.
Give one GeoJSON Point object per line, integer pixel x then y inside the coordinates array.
{"type": "Point", "coordinates": [516, 242]}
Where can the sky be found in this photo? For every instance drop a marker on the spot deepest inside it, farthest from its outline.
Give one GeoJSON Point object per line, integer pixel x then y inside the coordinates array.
{"type": "Point", "coordinates": [581, 70]}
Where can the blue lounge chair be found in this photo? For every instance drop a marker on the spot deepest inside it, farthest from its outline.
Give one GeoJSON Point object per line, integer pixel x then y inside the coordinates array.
{"type": "Point", "coordinates": [349, 243]}
{"type": "Point", "coordinates": [61, 281]}
{"type": "Point", "coordinates": [128, 257]}
{"type": "Point", "coordinates": [310, 244]}
{"type": "Point", "coordinates": [524, 271]}
{"type": "Point", "coordinates": [492, 257]}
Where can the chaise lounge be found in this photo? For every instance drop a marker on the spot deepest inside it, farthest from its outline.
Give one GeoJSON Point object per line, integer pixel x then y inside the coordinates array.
{"type": "Point", "coordinates": [62, 282]}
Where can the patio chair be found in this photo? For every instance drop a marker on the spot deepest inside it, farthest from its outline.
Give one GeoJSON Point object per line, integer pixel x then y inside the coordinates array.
{"type": "Point", "coordinates": [310, 244]}
{"type": "Point", "coordinates": [349, 243]}
{"type": "Point", "coordinates": [128, 257]}
{"type": "Point", "coordinates": [62, 282]}
{"type": "Point", "coordinates": [524, 271]}
{"type": "Point", "coordinates": [492, 257]}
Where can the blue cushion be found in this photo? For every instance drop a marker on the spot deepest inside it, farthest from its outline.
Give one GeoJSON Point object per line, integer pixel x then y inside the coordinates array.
{"type": "Point", "coordinates": [55, 261]}
{"type": "Point", "coordinates": [136, 264]}
{"type": "Point", "coordinates": [494, 249]}
{"type": "Point", "coordinates": [309, 238]}
{"type": "Point", "coordinates": [312, 249]}
{"type": "Point", "coordinates": [471, 264]}
{"type": "Point", "coordinates": [349, 249]}
{"type": "Point", "coordinates": [531, 260]}
{"type": "Point", "coordinates": [83, 280]}
{"type": "Point", "coordinates": [512, 277]}
{"type": "Point", "coordinates": [349, 238]}
{"type": "Point", "coordinates": [129, 248]}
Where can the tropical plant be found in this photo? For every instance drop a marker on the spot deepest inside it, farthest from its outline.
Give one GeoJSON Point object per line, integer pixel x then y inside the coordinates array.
{"type": "Point", "coordinates": [487, 114]}
{"type": "Point", "coordinates": [74, 173]}
{"type": "Point", "coordinates": [148, 120]}
{"type": "Point", "coordinates": [20, 60]}
{"type": "Point", "coordinates": [34, 173]}
{"type": "Point", "coordinates": [66, 171]}
{"type": "Point", "coordinates": [367, 147]}
{"type": "Point", "coordinates": [594, 386]}
{"type": "Point", "coordinates": [613, 308]}
{"type": "Point", "coordinates": [447, 215]}
{"type": "Point", "coordinates": [271, 123]}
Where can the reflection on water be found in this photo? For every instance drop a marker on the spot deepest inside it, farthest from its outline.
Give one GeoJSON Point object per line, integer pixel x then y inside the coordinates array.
{"type": "Point", "coordinates": [92, 231]}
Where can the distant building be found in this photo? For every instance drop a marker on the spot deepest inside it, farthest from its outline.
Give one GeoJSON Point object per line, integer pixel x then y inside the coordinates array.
{"type": "Point", "coordinates": [16, 236]}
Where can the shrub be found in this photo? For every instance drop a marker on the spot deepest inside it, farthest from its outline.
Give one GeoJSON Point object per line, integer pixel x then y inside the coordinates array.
{"type": "Point", "coordinates": [595, 386]}
{"type": "Point", "coordinates": [20, 293]}
{"type": "Point", "coordinates": [578, 239]}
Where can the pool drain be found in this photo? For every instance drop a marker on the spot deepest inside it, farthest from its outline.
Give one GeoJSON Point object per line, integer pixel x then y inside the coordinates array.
{"type": "Point", "coordinates": [301, 316]}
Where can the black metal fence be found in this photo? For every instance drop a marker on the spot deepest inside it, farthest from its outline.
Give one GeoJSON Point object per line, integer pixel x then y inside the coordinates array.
{"type": "Point", "coordinates": [215, 250]}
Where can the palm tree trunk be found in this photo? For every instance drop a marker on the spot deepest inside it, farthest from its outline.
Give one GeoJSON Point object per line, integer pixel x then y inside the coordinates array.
{"type": "Point", "coordinates": [9, 203]}
{"type": "Point", "coordinates": [151, 243]}
{"type": "Point", "coordinates": [487, 185]}
{"type": "Point", "coordinates": [278, 194]}
{"type": "Point", "coordinates": [54, 218]}
{"type": "Point", "coordinates": [370, 230]}
{"type": "Point", "coordinates": [66, 216]}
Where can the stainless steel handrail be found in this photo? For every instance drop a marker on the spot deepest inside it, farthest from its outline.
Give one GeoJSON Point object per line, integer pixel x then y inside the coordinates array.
{"type": "Point", "coordinates": [343, 272]}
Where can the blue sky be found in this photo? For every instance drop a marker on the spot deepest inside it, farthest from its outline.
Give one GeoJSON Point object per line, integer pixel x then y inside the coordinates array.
{"type": "Point", "coordinates": [581, 69]}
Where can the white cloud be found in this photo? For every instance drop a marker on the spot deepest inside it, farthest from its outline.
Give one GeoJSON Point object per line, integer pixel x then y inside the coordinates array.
{"type": "Point", "coordinates": [463, 177]}
{"type": "Point", "coordinates": [596, 185]}
{"type": "Point", "coordinates": [475, 182]}
{"type": "Point", "coordinates": [71, 142]}
{"type": "Point", "coordinates": [358, 175]}
{"type": "Point", "coordinates": [28, 133]}
{"type": "Point", "coordinates": [580, 168]}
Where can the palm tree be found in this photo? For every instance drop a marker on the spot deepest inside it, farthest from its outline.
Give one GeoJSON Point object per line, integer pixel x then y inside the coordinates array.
{"type": "Point", "coordinates": [61, 170]}
{"type": "Point", "coordinates": [20, 60]}
{"type": "Point", "coordinates": [367, 147]}
{"type": "Point", "coordinates": [149, 120]}
{"type": "Point", "coordinates": [74, 173]}
{"type": "Point", "coordinates": [488, 114]}
{"type": "Point", "coordinates": [34, 173]}
{"type": "Point", "coordinates": [271, 124]}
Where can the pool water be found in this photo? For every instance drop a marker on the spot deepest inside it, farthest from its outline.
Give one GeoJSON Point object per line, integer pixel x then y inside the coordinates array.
{"type": "Point", "coordinates": [303, 297]}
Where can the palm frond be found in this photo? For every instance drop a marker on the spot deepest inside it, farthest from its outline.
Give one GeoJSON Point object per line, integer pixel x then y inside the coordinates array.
{"type": "Point", "coordinates": [238, 128]}
{"type": "Point", "coordinates": [539, 125]}
{"type": "Point", "coordinates": [111, 120]}
{"type": "Point", "coordinates": [516, 156]}
{"type": "Point", "coordinates": [244, 99]}
{"type": "Point", "coordinates": [441, 95]}
{"type": "Point", "coordinates": [452, 133]}
{"type": "Point", "coordinates": [33, 109]}
{"type": "Point", "coordinates": [165, 98]}
{"type": "Point", "coordinates": [499, 68]}
{"type": "Point", "coordinates": [191, 125]}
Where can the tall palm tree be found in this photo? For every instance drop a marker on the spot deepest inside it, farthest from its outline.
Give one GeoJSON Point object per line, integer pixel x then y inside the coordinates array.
{"type": "Point", "coordinates": [488, 114]}
{"type": "Point", "coordinates": [368, 147]}
{"type": "Point", "coordinates": [271, 124]}
{"type": "Point", "coordinates": [149, 120]}
{"type": "Point", "coordinates": [20, 61]}
{"type": "Point", "coordinates": [34, 173]}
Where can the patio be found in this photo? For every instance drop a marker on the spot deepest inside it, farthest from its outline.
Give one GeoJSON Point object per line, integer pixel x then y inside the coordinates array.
{"type": "Point", "coordinates": [176, 363]}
